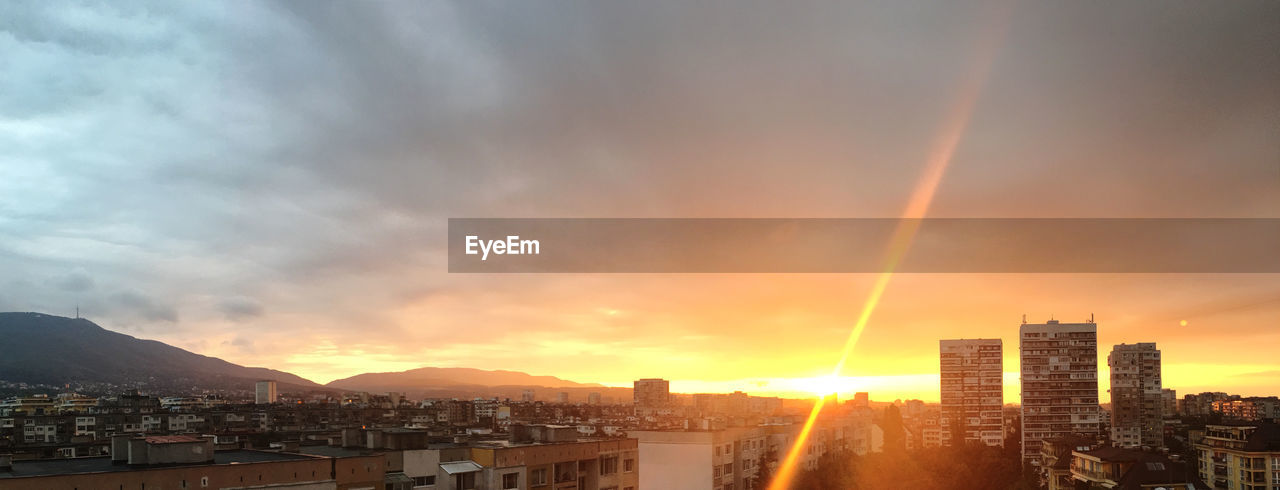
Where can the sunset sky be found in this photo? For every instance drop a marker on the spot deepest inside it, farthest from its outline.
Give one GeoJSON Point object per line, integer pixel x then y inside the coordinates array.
{"type": "Point", "coordinates": [270, 184]}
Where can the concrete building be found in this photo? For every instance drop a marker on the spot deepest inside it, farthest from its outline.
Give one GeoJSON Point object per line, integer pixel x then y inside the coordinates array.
{"type": "Point", "coordinates": [972, 385]}
{"type": "Point", "coordinates": [562, 397]}
{"type": "Point", "coordinates": [186, 462]}
{"type": "Point", "coordinates": [1137, 402]}
{"type": "Point", "coordinates": [1168, 403]}
{"type": "Point", "coordinates": [1240, 457]}
{"type": "Point", "coordinates": [593, 398]}
{"type": "Point", "coordinates": [651, 395]}
{"type": "Point", "coordinates": [1130, 469]}
{"type": "Point", "coordinates": [1056, 460]}
{"type": "Point", "coordinates": [699, 460]}
{"type": "Point", "coordinates": [1253, 408]}
{"type": "Point", "coordinates": [1059, 369]}
{"type": "Point", "coordinates": [264, 392]}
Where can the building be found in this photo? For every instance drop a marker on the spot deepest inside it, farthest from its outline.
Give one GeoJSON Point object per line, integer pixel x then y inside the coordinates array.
{"type": "Point", "coordinates": [972, 385]}
{"type": "Point", "coordinates": [189, 462]}
{"type": "Point", "coordinates": [1169, 403]}
{"type": "Point", "coordinates": [1199, 405]}
{"type": "Point", "coordinates": [593, 398]}
{"type": "Point", "coordinates": [699, 460]}
{"type": "Point", "coordinates": [1130, 469]}
{"type": "Point", "coordinates": [562, 397]}
{"type": "Point", "coordinates": [265, 392]}
{"type": "Point", "coordinates": [1253, 408]}
{"type": "Point", "coordinates": [1240, 457]}
{"type": "Point", "coordinates": [1056, 460]}
{"type": "Point", "coordinates": [1137, 400]}
{"type": "Point", "coordinates": [651, 395]}
{"type": "Point", "coordinates": [1059, 383]}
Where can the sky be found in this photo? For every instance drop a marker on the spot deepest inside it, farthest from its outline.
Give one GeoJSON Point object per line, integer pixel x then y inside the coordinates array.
{"type": "Point", "coordinates": [269, 183]}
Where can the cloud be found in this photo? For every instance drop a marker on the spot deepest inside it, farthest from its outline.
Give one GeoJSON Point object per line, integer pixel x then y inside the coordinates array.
{"type": "Point", "coordinates": [240, 308]}
{"type": "Point", "coordinates": [302, 158]}
{"type": "Point", "coordinates": [75, 281]}
{"type": "Point", "coordinates": [137, 305]}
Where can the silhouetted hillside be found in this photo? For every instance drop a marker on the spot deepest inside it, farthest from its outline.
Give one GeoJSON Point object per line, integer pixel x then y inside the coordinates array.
{"type": "Point", "coordinates": [46, 349]}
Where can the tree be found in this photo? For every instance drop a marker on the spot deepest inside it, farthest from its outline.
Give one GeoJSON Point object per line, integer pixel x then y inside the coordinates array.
{"type": "Point", "coordinates": [895, 438]}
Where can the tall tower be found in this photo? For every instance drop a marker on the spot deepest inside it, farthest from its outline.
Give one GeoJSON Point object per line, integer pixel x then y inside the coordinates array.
{"type": "Point", "coordinates": [972, 385]}
{"type": "Point", "coordinates": [1137, 414]}
{"type": "Point", "coordinates": [651, 395]}
{"type": "Point", "coordinates": [265, 392]}
{"type": "Point", "coordinates": [1059, 383]}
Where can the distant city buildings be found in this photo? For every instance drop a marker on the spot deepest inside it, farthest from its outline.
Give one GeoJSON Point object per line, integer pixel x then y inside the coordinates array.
{"type": "Point", "coordinates": [1059, 369]}
{"type": "Point", "coordinates": [593, 398]}
{"type": "Point", "coordinates": [265, 393]}
{"type": "Point", "coordinates": [1137, 399]}
{"type": "Point", "coordinates": [972, 390]}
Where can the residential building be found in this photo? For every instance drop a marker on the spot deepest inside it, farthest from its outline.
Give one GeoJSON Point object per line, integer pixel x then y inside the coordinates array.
{"type": "Point", "coordinates": [1240, 457]}
{"type": "Point", "coordinates": [265, 392]}
{"type": "Point", "coordinates": [188, 462]}
{"type": "Point", "coordinates": [972, 387]}
{"type": "Point", "coordinates": [1130, 469]}
{"type": "Point", "coordinates": [651, 395]}
{"type": "Point", "coordinates": [1137, 402]}
{"type": "Point", "coordinates": [1059, 369]}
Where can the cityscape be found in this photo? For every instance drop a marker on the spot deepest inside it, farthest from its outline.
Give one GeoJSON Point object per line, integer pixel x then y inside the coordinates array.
{"type": "Point", "coordinates": [654, 245]}
{"type": "Point", "coordinates": [1056, 436]}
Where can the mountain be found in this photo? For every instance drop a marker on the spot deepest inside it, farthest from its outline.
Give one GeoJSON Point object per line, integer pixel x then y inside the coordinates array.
{"type": "Point", "coordinates": [43, 349]}
{"type": "Point", "coordinates": [449, 379]}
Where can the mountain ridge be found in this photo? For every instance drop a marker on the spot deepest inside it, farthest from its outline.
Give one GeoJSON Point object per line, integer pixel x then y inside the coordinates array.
{"type": "Point", "coordinates": [47, 349]}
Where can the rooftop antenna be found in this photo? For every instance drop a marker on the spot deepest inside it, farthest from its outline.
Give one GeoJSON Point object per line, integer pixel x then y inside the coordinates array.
{"type": "Point", "coordinates": [1024, 318]}
{"type": "Point", "coordinates": [1091, 318]}
{"type": "Point", "coordinates": [77, 312]}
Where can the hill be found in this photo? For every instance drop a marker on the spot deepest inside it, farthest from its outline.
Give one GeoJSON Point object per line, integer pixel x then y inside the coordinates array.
{"type": "Point", "coordinates": [54, 350]}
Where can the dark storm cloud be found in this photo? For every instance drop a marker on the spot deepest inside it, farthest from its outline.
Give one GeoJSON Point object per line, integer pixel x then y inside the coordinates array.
{"type": "Point", "coordinates": [305, 155]}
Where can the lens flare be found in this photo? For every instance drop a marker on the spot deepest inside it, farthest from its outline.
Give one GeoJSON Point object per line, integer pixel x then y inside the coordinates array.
{"type": "Point", "coordinates": [936, 165]}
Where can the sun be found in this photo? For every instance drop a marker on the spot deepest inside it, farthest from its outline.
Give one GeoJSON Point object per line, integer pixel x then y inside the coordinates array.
{"type": "Point", "coordinates": [822, 385]}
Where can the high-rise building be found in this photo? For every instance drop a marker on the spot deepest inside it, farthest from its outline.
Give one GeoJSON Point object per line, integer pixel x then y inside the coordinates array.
{"type": "Point", "coordinates": [1137, 403]}
{"type": "Point", "coordinates": [973, 389]}
{"type": "Point", "coordinates": [593, 398]}
{"type": "Point", "coordinates": [562, 397]}
{"type": "Point", "coordinates": [1168, 403]}
{"type": "Point", "coordinates": [1059, 383]}
{"type": "Point", "coordinates": [526, 396]}
{"type": "Point", "coordinates": [651, 395]}
{"type": "Point", "coordinates": [265, 392]}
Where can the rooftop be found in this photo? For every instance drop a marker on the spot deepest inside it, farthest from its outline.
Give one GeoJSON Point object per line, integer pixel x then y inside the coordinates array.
{"type": "Point", "coordinates": [103, 464]}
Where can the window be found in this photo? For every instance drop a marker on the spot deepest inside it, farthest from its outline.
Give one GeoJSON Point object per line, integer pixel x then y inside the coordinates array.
{"type": "Point", "coordinates": [422, 481]}
{"type": "Point", "coordinates": [608, 465]}
{"type": "Point", "coordinates": [628, 465]}
{"type": "Point", "coordinates": [538, 477]}
{"type": "Point", "coordinates": [511, 480]}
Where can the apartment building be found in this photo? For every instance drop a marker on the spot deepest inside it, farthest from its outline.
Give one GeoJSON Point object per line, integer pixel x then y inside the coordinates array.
{"type": "Point", "coordinates": [1137, 400]}
{"type": "Point", "coordinates": [1059, 369]}
{"type": "Point", "coordinates": [1240, 457]}
{"type": "Point", "coordinates": [189, 462]}
{"type": "Point", "coordinates": [972, 388]}
{"type": "Point", "coordinates": [727, 459]}
{"type": "Point", "coordinates": [1130, 469]}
